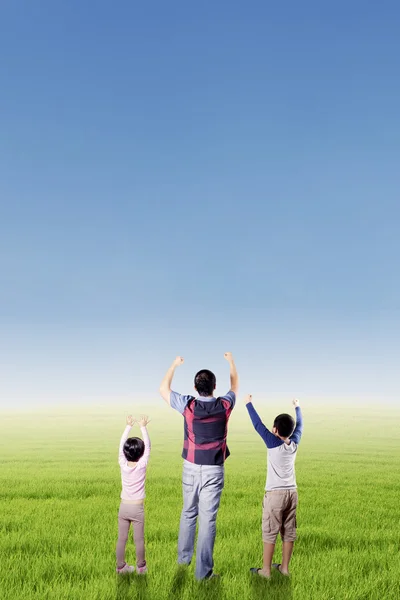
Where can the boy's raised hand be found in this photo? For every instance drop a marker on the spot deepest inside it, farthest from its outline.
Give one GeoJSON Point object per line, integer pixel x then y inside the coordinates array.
{"type": "Point", "coordinates": [248, 399]}
{"type": "Point", "coordinates": [130, 420]}
{"type": "Point", "coordinates": [296, 402]}
{"type": "Point", "coordinates": [228, 356]}
{"type": "Point", "coordinates": [143, 421]}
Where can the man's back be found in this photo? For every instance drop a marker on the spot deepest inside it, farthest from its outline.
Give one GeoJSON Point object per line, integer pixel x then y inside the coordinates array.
{"type": "Point", "coordinates": [205, 427]}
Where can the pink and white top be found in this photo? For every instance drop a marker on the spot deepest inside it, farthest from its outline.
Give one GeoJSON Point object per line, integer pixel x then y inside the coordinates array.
{"type": "Point", "coordinates": [133, 478]}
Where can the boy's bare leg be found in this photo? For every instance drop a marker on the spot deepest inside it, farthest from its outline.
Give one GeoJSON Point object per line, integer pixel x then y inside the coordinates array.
{"type": "Point", "coordinates": [267, 559]}
{"type": "Point", "coordinates": [287, 550]}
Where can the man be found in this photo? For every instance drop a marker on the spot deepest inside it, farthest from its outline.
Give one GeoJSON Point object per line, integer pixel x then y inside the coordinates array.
{"type": "Point", "coordinates": [204, 453]}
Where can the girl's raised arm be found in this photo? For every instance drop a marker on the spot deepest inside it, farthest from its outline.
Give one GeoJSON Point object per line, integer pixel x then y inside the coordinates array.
{"type": "Point", "coordinates": [121, 456]}
{"type": "Point", "coordinates": [142, 422]}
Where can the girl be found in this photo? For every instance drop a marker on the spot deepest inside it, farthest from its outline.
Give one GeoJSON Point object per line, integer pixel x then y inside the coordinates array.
{"type": "Point", "coordinates": [133, 458]}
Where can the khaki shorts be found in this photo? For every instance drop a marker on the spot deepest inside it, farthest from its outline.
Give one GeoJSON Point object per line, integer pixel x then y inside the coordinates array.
{"type": "Point", "coordinates": [279, 515]}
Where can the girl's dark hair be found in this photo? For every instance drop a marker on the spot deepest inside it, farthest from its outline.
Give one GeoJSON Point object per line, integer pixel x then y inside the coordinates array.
{"type": "Point", "coordinates": [205, 382]}
{"type": "Point", "coordinates": [133, 449]}
{"type": "Point", "coordinates": [284, 424]}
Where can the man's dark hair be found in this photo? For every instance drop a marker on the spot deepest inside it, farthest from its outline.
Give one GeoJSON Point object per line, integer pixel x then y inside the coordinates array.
{"type": "Point", "coordinates": [133, 449]}
{"type": "Point", "coordinates": [205, 382]}
{"type": "Point", "coordinates": [284, 424]}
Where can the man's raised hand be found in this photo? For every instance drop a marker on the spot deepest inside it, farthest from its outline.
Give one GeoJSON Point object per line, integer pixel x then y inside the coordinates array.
{"type": "Point", "coordinates": [178, 361]}
{"type": "Point", "coordinates": [296, 402]}
{"type": "Point", "coordinates": [248, 399]}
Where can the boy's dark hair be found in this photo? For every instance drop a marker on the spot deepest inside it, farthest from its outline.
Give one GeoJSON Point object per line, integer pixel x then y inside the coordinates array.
{"type": "Point", "coordinates": [285, 425]}
{"type": "Point", "coordinates": [133, 449]}
{"type": "Point", "coordinates": [205, 382]}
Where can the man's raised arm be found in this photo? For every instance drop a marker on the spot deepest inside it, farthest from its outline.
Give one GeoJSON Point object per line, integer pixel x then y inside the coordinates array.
{"type": "Point", "coordinates": [165, 387]}
{"type": "Point", "coordinates": [233, 372]}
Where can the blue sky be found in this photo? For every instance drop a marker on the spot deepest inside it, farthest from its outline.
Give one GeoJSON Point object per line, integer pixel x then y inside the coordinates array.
{"type": "Point", "coordinates": [189, 179]}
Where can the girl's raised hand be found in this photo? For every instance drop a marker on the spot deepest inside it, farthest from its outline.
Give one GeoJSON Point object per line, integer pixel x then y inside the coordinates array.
{"type": "Point", "coordinates": [130, 420]}
{"type": "Point", "coordinates": [143, 421]}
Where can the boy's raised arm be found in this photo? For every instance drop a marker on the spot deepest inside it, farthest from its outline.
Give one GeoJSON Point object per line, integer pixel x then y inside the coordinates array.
{"type": "Point", "coordinates": [298, 430]}
{"type": "Point", "coordinates": [121, 456]}
{"type": "Point", "coordinates": [269, 438]}
{"type": "Point", "coordinates": [165, 387]}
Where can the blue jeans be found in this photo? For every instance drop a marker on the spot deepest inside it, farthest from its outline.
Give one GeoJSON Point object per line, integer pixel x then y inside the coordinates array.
{"type": "Point", "coordinates": [202, 487]}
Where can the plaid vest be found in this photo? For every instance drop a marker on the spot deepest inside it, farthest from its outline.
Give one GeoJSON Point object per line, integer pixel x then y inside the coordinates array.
{"type": "Point", "coordinates": [205, 431]}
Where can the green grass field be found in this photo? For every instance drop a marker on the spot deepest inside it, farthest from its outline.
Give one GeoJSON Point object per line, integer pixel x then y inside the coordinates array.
{"type": "Point", "coordinates": [59, 498]}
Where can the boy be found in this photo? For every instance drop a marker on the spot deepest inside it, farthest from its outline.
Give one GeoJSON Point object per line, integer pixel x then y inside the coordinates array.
{"type": "Point", "coordinates": [280, 499]}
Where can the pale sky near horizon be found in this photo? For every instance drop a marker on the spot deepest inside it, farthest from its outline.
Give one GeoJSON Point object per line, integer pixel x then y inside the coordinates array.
{"type": "Point", "coordinates": [186, 179]}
